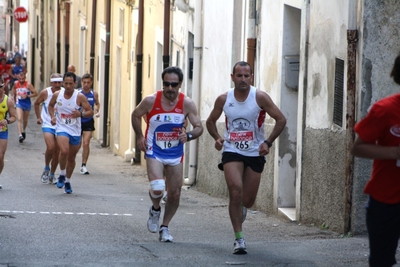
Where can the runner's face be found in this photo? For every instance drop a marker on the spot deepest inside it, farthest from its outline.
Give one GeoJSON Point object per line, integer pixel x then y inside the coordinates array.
{"type": "Point", "coordinates": [242, 77]}
{"type": "Point", "coordinates": [169, 91]}
{"type": "Point", "coordinates": [86, 84]}
{"type": "Point", "coordinates": [21, 77]}
{"type": "Point", "coordinates": [56, 85]}
{"type": "Point", "coordinates": [69, 84]}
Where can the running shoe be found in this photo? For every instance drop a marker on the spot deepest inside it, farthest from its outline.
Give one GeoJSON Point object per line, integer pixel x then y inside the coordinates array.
{"type": "Point", "coordinates": [21, 139]}
{"type": "Point", "coordinates": [164, 198]}
{"type": "Point", "coordinates": [68, 188]}
{"type": "Point", "coordinates": [244, 213]}
{"type": "Point", "coordinates": [61, 181]}
{"type": "Point", "coordinates": [239, 246]}
{"type": "Point", "coordinates": [23, 135]}
{"type": "Point", "coordinates": [52, 179]}
{"type": "Point", "coordinates": [152, 222]}
{"type": "Point", "coordinates": [165, 235]}
{"type": "Point", "coordinates": [84, 170]}
{"type": "Point", "coordinates": [45, 176]}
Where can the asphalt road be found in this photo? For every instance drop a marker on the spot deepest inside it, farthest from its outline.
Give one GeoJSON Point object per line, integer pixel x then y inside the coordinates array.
{"type": "Point", "coordinates": [103, 222]}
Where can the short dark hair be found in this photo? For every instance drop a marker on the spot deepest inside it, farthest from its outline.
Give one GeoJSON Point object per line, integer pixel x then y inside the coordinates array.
{"type": "Point", "coordinates": [70, 74]}
{"type": "Point", "coordinates": [395, 73]}
{"type": "Point", "coordinates": [242, 64]}
{"type": "Point", "coordinates": [87, 76]}
{"type": "Point", "coordinates": [175, 70]}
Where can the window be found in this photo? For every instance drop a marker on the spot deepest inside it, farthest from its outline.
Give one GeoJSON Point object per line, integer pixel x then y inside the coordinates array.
{"type": "Point", "coordinates": [121, 24]}
{"type": "Point", "coordinates": [338, 94]}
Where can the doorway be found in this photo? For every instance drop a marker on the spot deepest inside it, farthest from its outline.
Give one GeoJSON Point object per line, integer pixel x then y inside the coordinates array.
{"type": "Point", "coordinates": [286, 186]}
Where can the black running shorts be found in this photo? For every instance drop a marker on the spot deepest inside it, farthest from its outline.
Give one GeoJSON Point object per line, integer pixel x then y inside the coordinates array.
{"type": "Point", "coordinates": [255, 163]}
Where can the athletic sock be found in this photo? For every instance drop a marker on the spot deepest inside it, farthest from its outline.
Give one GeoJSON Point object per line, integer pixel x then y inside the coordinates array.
{"type": "Point", "coordinates": [159, 208]}
{"type": "Point", "coordinates": [67, 180]}
{"type": "Point", "coordinates": [63, 172]}
{"type": "Point", "coordinates": [238, 235]}
{"type": "Point", "coordinates": [47, 168]}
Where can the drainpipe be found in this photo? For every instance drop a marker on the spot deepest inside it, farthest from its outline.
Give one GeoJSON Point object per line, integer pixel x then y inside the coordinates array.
{"type": "Point", "coordinates": [67, 12]}
{"type": "Point", "coordinates": [10, 6]}
{"type": "Point", "coordinates": [58, 39]}
{"type": "Point", "coordinates": [139, 67]}
{"type": "Point", "coordinates": [251, 40]}
{"type": "Point", "coordinates": [167, 15]}
{"type": "Point", "coordinates": [352, 39]}
{"type": "Point", "coordinates": [195, 90]}
{"type": "Point", "coordinates": [93, 37]}
{"type": "Point", "coordinates": [106, 75]}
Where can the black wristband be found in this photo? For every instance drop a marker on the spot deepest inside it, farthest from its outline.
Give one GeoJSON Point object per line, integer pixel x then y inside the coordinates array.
{"type": "Point", "coordinates": [268, 143]}
{"type": "Point", "coordinates": [8, 121]}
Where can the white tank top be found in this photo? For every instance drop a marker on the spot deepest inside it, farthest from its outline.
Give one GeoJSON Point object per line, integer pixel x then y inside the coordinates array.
{"type": "Point", "coordinates": [244, 124]}
{"type": "Point", "coordinates": [66, 122]}
{"type": "Point", "coordinates": [46, 119]}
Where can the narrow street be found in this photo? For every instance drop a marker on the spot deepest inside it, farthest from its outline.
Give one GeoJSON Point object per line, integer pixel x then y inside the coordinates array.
{"type": "Point", "coordinates": [103, 222]}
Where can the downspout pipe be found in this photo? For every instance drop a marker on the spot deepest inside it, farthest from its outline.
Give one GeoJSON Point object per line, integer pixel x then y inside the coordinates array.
{"type": "Point", "coordinates": [106, 75]}
{"type": "Point", "coordinates": [67, 14]}
{"type": "Point", "coordinates": [167, 16]}
{"type": "Point", "coordinates": [251, 40]}
{"type": "Point", "coordinates": [139, 67]}
{"type": "Point", "coordinates": [58, 39]}
{"type": "Point", "coordinates": [352, 41]}
{"type": "Point", "coordinates": [193, 145]}
{"type": "Point", "coordinates": [93, 37]}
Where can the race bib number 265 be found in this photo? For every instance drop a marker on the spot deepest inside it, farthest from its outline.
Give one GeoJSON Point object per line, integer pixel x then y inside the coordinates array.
{"type": "Point", "coordinates": [243, 140]}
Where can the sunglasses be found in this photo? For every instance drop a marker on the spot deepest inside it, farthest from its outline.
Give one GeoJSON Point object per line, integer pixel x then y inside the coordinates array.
{"type": "Point", "coordinates": [1, 85]}
{"type": "Point", "coordinates": [167, 84]}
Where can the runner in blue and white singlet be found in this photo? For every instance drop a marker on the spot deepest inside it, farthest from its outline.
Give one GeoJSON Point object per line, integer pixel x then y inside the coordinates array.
{"type": "Point", "coordinates": [163, 128]}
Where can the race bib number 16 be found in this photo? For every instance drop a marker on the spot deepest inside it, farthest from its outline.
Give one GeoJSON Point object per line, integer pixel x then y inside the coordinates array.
{"type": "Point", "coordinates": [243, 140]}
{"type": "Point", "coordinates": [166, 140]}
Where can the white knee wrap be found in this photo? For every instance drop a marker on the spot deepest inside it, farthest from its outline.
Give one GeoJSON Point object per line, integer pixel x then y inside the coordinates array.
{"type": "Point", "coordinates": [157, 185]}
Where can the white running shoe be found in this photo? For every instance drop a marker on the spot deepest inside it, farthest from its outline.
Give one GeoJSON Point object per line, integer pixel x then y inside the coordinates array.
{"type": "Point", "coordinates": [152, 222]}
{"type": "Point", "coordinates": [45, 177]}
{"type": "Point", "coordinates": [239, 246]}
{"type": "Point", "coordinates": [165, 235]}
{"type": "Point", "coordinates": [52, 180]}
{"type": "Point", "coordinates": [164, 198]}
{"type": "Point", "coordinates": [84, 170]}
{"type": "Point", "coordinates": [244, 213]}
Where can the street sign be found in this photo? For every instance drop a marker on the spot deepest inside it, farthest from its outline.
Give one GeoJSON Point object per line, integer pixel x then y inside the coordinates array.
{"type": "Point", "coordinates": [20, 14]}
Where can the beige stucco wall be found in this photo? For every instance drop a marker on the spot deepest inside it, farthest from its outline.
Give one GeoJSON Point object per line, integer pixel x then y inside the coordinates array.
{"type": "Point", "coordinates": [120, 83]}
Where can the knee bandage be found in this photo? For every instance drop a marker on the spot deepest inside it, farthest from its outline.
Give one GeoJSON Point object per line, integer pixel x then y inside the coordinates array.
{"type": "Point", "coordinates": [157, 185]}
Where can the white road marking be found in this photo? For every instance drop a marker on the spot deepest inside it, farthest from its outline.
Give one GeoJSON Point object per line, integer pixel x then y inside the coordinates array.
{"type": "Point", "coordinates": [63, 213]}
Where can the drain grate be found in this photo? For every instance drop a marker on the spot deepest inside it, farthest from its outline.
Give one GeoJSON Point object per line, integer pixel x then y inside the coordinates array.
{"type": "Point", "coordinates": [7, 216]}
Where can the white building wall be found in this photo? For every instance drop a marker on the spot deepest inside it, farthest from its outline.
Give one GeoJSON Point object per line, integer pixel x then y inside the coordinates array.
{"type": "Point", "coordinates": [217, 52]}
{"type": "Point", "coordinates": [328, 32]}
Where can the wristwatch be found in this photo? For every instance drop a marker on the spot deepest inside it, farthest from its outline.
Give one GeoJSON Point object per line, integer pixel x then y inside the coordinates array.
{"type": "Point", "coordinates": [268, 143]}
{"type": "Point", "coordinates": [189, 136]}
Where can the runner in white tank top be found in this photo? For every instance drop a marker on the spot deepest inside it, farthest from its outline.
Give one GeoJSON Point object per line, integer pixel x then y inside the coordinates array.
{"type": "Point", "coordinates": [49, 131]}
{"type": "Point", "coordinates": [245, 124]}
{"type": "Point", "coordinates": [244, 144]}
{"type": "Point", "coordinates": [66, 108]}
